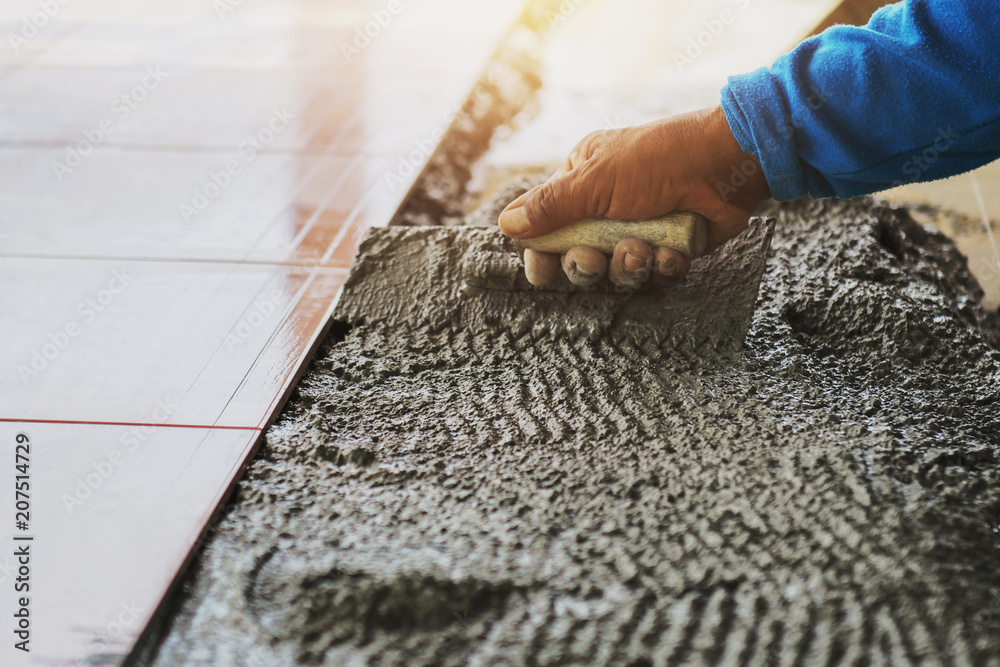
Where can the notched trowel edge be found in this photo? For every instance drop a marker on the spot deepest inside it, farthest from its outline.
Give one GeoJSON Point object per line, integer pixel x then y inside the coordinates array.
{"type": "Point", "coordinates": [471, 277]}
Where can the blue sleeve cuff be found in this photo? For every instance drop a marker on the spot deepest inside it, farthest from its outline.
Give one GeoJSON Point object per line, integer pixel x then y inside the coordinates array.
{"type": "Point", "coordinates": [758, 116]}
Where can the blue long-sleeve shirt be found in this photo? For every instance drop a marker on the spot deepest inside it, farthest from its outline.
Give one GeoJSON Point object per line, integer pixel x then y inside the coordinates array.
{"type": "Point", "coordinates": [912, 96]}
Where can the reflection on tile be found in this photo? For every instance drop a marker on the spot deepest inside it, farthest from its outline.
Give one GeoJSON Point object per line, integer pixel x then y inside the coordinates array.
{"type": "Point", "coordinates": [136, 204]}
{"type": "Point", "coordinates": [114, 514]}
{"type": "Point", "coordinates": [162, 285]}
{"type": "Point", "coordinates": [273, 374]}
{"type": "Point", "coordinates": [261, 34]}
{"type": "Point", "coordinates": [370, 212]}
{"type": "Point", "coordinates": [115, 337]}
{"type": "Point", "coordinates": [397, 116]}
{"type": "Point", "coordinates": [152, 104]}
{"type": "Point", "coordinates": [240, 112]}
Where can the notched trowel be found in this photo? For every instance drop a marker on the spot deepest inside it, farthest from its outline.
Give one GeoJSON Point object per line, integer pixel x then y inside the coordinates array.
{"type": "Point", "coordinates": [472, 278]}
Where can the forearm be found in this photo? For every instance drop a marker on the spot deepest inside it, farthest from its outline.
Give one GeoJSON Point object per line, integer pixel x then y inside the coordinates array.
{"type": "Point", "coordinates": [735, 175]}
{"type": "Point", "coordinates": [913, 96]}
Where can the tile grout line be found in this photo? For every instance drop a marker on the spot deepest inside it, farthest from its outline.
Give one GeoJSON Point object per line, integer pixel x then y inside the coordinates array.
{"type": "Point", "coordinates": [214, 427]}
{"type": "Point", "coordinates": [289, 313]}
{"type": "Point", "coordinates": [324, 205]}
{"type": "Point", "coordinates": [308, 352]}
{"type": "Point", "coordinates": [305, 264]}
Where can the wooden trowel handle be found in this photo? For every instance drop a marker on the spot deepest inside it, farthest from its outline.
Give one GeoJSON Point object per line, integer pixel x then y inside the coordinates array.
{"type": "Point", "coordinates": [682, 231]}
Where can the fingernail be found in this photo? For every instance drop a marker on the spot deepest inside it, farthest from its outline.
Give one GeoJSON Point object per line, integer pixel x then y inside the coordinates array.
{"type": "Point", "coordinates": [514, 222]}
{"type": "Point", "coordinates": [668, 268]}
{"type": "Point", "coordinates": [580, 273]}
{"type": "Point", "coordinates": [633, 263]}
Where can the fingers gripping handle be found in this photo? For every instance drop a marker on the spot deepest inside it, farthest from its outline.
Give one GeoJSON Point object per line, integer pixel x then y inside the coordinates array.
{"type": "Point", "coordinates": [685, 232]}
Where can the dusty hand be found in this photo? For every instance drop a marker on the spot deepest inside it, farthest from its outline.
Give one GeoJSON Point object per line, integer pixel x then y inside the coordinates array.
{"type": "Point", "coordinates": [682, 163]}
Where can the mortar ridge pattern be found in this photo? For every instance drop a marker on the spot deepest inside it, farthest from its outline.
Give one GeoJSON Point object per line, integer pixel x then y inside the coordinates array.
{"type": "Point", "coordinates": [440, 495]}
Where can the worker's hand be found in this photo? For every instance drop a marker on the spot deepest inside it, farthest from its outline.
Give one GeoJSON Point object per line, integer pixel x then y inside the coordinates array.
{"type": "Point", "coordinates": [689, 162]}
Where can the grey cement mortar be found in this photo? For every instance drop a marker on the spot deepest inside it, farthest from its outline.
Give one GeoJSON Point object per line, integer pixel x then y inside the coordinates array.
{"type": "Point", "coordinates": [472, 279]}
{"type": "Point", "coordinates": [434, 495]}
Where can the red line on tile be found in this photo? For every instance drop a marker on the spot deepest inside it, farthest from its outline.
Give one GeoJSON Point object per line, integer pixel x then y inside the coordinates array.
{"type": "Point", "coordinates": [107, 423]}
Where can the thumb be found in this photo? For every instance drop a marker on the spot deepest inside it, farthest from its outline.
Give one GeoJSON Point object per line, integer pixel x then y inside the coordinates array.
{"type": "Point", "coordinates": [546, 207]}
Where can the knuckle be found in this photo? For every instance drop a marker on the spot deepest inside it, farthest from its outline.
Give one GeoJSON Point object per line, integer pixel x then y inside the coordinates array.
{"type": "Point", "coordinates": [545, 202]}
{"type": "Point", "coordinates": [594, 137]}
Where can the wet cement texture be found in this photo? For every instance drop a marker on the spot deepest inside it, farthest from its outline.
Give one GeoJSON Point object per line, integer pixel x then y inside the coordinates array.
{"type": "Point", "coordinates": [407, 279]}
{"type": "Point", "coordinates": [440, 495]}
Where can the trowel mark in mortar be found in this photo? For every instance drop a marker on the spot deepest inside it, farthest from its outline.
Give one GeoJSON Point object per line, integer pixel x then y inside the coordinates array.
{"type": "Point", "coordinates": [470, 278]}
{"type": "Point", "coordinates": [828, 498]}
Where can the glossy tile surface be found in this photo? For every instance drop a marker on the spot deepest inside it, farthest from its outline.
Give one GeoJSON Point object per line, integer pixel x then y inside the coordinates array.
{"type": "Point", "coordinates": [115, 510]}
{"type": "Point", "coordinates": [116, 336]}
{"type": "Point", "coordinates": [233, 111]}
{"type": "Point", "coordinates": [169, 204]}
{"type": "Point", "coordinates": [185, 185]}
